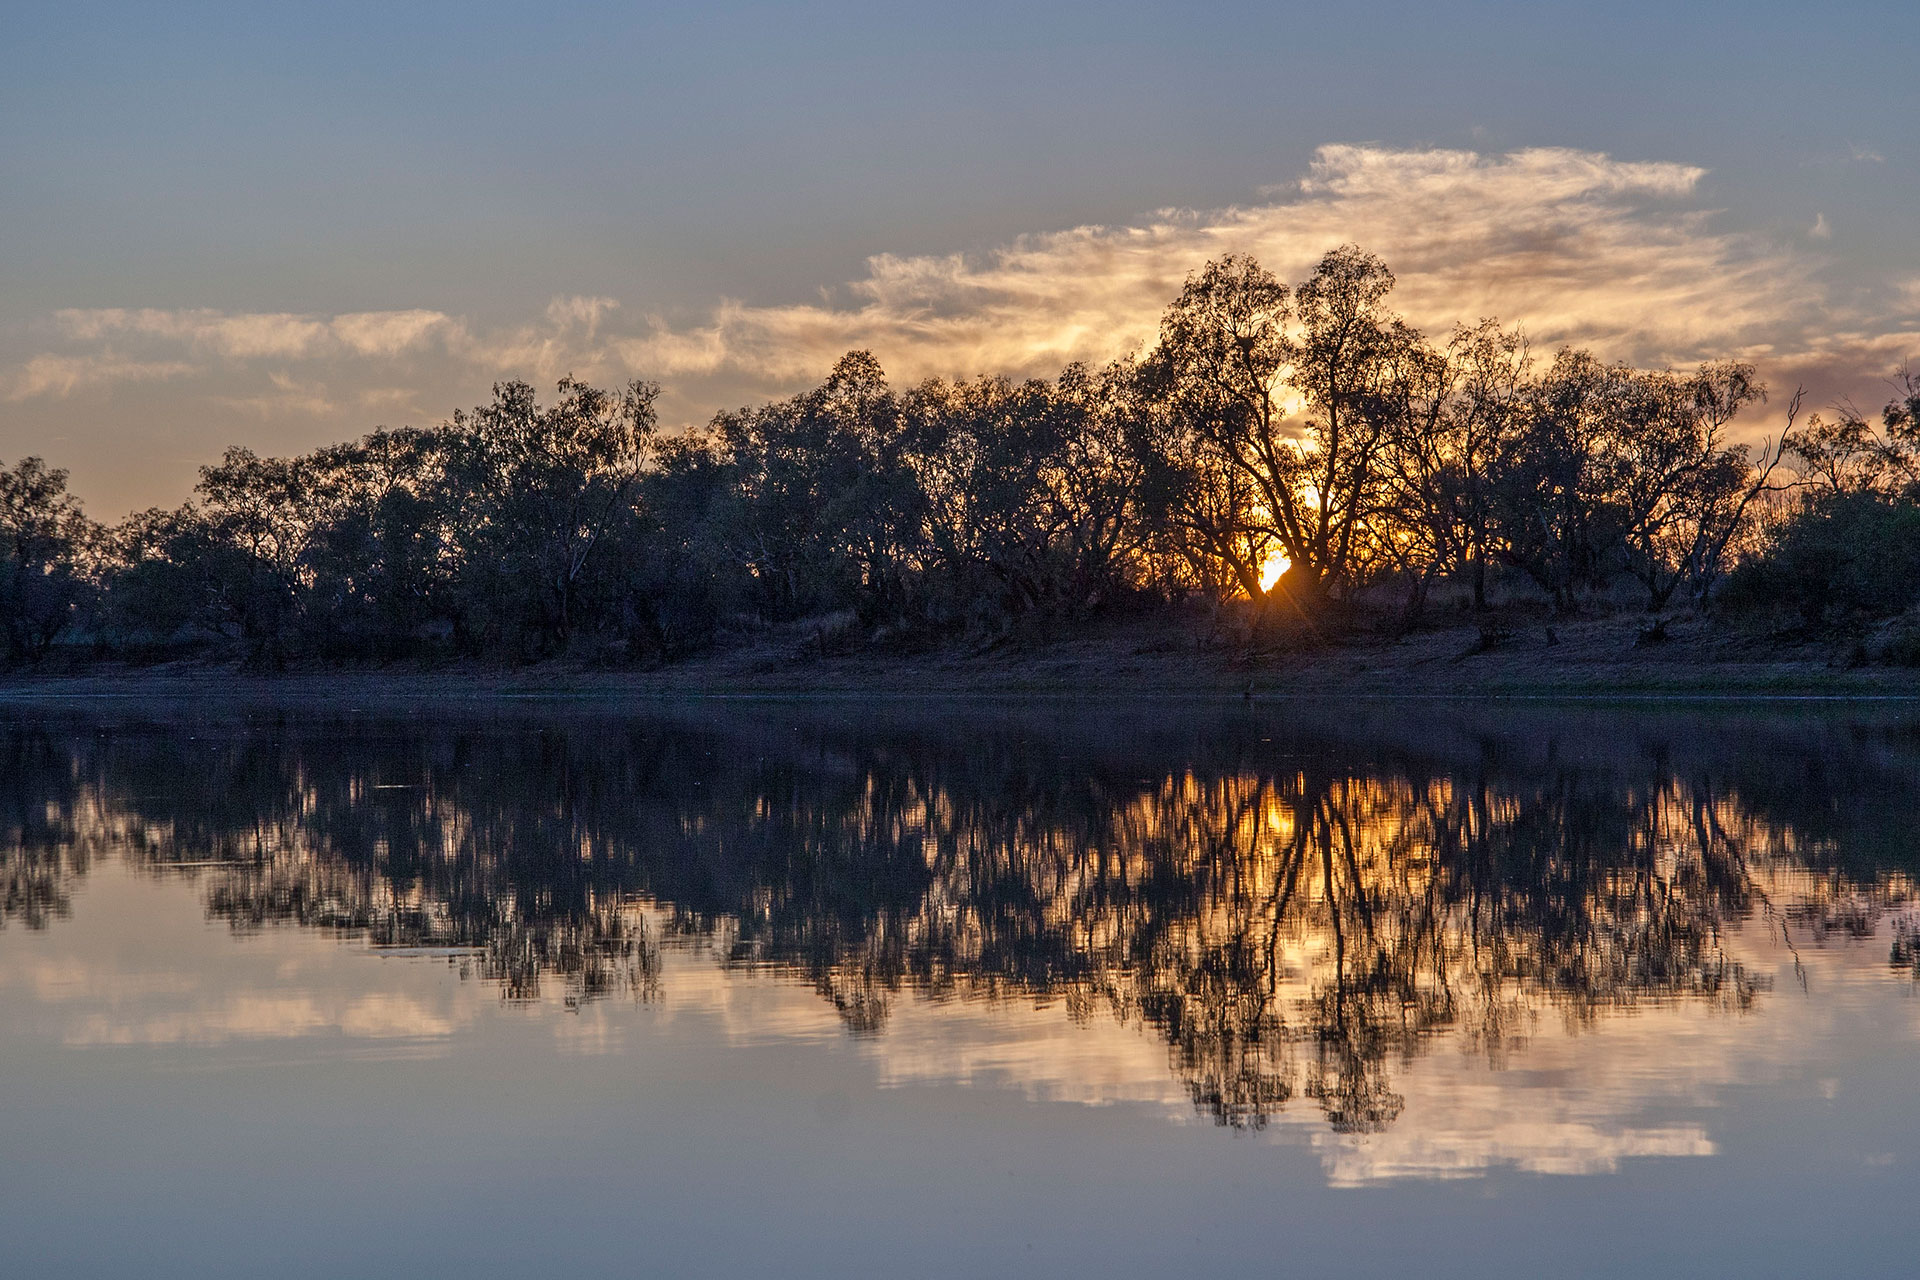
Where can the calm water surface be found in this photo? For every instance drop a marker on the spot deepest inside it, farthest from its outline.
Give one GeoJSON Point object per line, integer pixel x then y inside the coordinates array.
{"type": "Point", "coordinates": [886, 989]}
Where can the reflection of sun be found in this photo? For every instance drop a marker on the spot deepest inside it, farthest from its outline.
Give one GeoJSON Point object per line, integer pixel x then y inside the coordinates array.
{"type": "Point", "coordinates": [1276, 564]}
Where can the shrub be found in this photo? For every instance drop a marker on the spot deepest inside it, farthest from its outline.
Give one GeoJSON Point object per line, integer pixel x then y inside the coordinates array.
{"type": "Point", "coordinates": [1843, 562]}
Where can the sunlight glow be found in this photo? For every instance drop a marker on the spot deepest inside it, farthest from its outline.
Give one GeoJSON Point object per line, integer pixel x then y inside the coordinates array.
{"type": "Point", "coordinates": [1276, 564]}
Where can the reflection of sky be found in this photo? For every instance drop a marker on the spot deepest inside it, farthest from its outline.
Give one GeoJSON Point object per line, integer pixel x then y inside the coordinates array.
{"type": "Point", "coordinates": [139, 966]}
{"type": "Point", "coordinates": [234, 224]}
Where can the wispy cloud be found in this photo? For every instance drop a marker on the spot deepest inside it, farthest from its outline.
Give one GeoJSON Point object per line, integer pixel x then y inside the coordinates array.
{"type": "Point", "coordinates": [61, 375]}
{"type": "Point", "coordinates": [1575, 246]}
{"type": "Point", "coordinates": [258, 335]}
{"type": "Point", "coordinates": [284, 395]}
{"type": "Point", "coordinates": [586, 313]}
{"type": "Point", "coordinates": [387, 333]}
{"type": "Point", "coordinates": [566, 340]}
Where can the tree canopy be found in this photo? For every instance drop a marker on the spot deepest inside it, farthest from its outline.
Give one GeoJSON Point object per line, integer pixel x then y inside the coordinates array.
{"type": "Point", "coordinates": [1306, 426]}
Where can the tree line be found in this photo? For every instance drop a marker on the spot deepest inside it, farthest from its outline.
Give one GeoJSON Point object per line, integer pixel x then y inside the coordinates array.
{"type": "Point", "coordinates": [1309, 427]}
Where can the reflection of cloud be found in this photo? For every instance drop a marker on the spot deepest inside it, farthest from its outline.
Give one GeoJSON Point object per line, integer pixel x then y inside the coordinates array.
{"type": "Point", "coordinates": [1017, 1044]}
{"type": "Point", "coordinates": [267, 1016]}
{"type": "Point", "coordinates": [1465, 1150]}
{"type": "Point", "coordinates": [61, 981]}
{"type": "Point", "coordinates": [1033, 1049]}
{"type": "Point", "coordinates": [1578, 1099]}
{"type": "Point", "coordinates": [206, 990]}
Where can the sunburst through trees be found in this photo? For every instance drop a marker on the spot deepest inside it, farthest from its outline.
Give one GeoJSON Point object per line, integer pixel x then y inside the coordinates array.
{"type": "Point", "coordinates": [1268, 428]}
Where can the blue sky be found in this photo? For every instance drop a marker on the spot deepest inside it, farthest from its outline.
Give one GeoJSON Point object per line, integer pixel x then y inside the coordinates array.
{"type": "Point", "coordinates": [281, 225]}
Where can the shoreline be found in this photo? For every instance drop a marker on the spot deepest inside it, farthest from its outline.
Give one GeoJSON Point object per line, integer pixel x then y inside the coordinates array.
{"type": "Point", "coordinates": [1590, 660]}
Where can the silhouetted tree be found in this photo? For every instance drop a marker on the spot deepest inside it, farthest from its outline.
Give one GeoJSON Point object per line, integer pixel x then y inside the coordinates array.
{"type": "Point", "coordinates": [1311, 426]}
{"type": "Point", "coordinates": [1227, 473]}
{"type": "Point", "coordinates": [821, 496]}
{"type": "Point", "coordinates": [44, 542]}
{"type": "Point", "coordinates": [1241, 479]}
{"type": "Point", "coordinates": [1455, 420]}
{"type": "Point", "coordinates": [530, 495]}
{"type": "Point", "coordinates": [1029, 490]}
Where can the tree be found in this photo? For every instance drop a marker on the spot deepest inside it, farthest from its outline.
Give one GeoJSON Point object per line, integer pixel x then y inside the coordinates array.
{"type": "Point", "coordinates": [377, 561]}
{"type": "Point", "coordinates": [1236, 475]}
{"type": "Point", "coordinates": [1308, 425]}
{"type": "Point", "coordinates": [1850, 455]}
{"type": "Point", "coordinates": [159, 576]}
{"type": "Point", "coordinates": [44, 540]}
{"type": "Point", "coordinates": [822, 500]}
{"type": "Point", "coordinates": [262, 514]}
{"type": "Point", "coordinates": [531, 494]}
{"type": "Point", "coordinates": [1224, 471]}
{"type": "Point", "coordinates": [1349, 365]}
{"type": "Point", "coordinates": [680, 575]}
{"type": "Point", "coordinates": [1452, 433]}
{"type": "Point", "coordinates": [1714, 509]}
{"type": "Point", "coordinates": [1842, 560]}
{"type": "Point", "coordinates": [1095, 480]}
{"type": "Point", "coordinates": [1028, 489]}
{"type": "Point", "coordinates": [1558, 520]}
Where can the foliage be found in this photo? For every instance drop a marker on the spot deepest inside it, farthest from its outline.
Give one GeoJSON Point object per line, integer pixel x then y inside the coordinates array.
{"type": "Point", "coordinates": [1843, 560]}
{"type": "Point", "coordinates": [1309, 423]}
{"type": "Point", "coordinates": [44, 540]}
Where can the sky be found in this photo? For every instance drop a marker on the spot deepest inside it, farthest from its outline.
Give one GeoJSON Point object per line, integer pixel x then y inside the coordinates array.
{"type": "Point", "coordinates": [282, 226]}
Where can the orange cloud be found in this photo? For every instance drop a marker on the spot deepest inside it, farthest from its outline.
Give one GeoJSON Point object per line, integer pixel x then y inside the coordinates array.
{"type": "Point", "coordinates": [1575, 246]}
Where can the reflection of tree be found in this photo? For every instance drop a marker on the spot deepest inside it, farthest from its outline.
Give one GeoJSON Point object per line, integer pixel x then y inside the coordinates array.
{"type": "Point", "coordinates": [1294, 923]}
{"type": "Point", "coordinates": [598, 947]}
{"type": "Point", "coordinates": [50, 831]}
{"type": "Point", "coordinates": [1339, 922]}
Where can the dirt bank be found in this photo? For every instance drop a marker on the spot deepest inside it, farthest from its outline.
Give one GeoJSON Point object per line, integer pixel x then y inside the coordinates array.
{"type": "Point", "coordinates": [1600, 657]}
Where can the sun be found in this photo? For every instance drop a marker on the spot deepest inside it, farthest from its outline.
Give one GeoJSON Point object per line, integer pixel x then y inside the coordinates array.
{"type": "Point", "coordinates": [1275, 565]}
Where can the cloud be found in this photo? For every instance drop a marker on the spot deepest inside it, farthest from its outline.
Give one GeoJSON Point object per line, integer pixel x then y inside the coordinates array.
{"type": "Point", "coordinates": [62, 375]}
{"type": "Point", "coordinates": [564, 342]}
{"type": "Point", "coordinates": [1821, 229]}
{"type": "Point", "coordinates": [1575, 246]}
{"type": "Point", "coordinates": [387, 333]}
{"type": "Point", "coordinates": [257, 335]}
{"type": "Point", "coordinates": [284, 395]}
{"type": "Point", "coordinates": [584, 312]}
{"type": "Point", "coordinates": [238, 337]}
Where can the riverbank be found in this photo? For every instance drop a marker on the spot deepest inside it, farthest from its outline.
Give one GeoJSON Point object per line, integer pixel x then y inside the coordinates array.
{"type": "Point", "coordinates": [1594, 658]}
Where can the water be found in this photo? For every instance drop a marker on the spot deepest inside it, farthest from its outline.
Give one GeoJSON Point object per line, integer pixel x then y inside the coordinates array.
{"type": "Point", "coordinates": [888, 988]}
